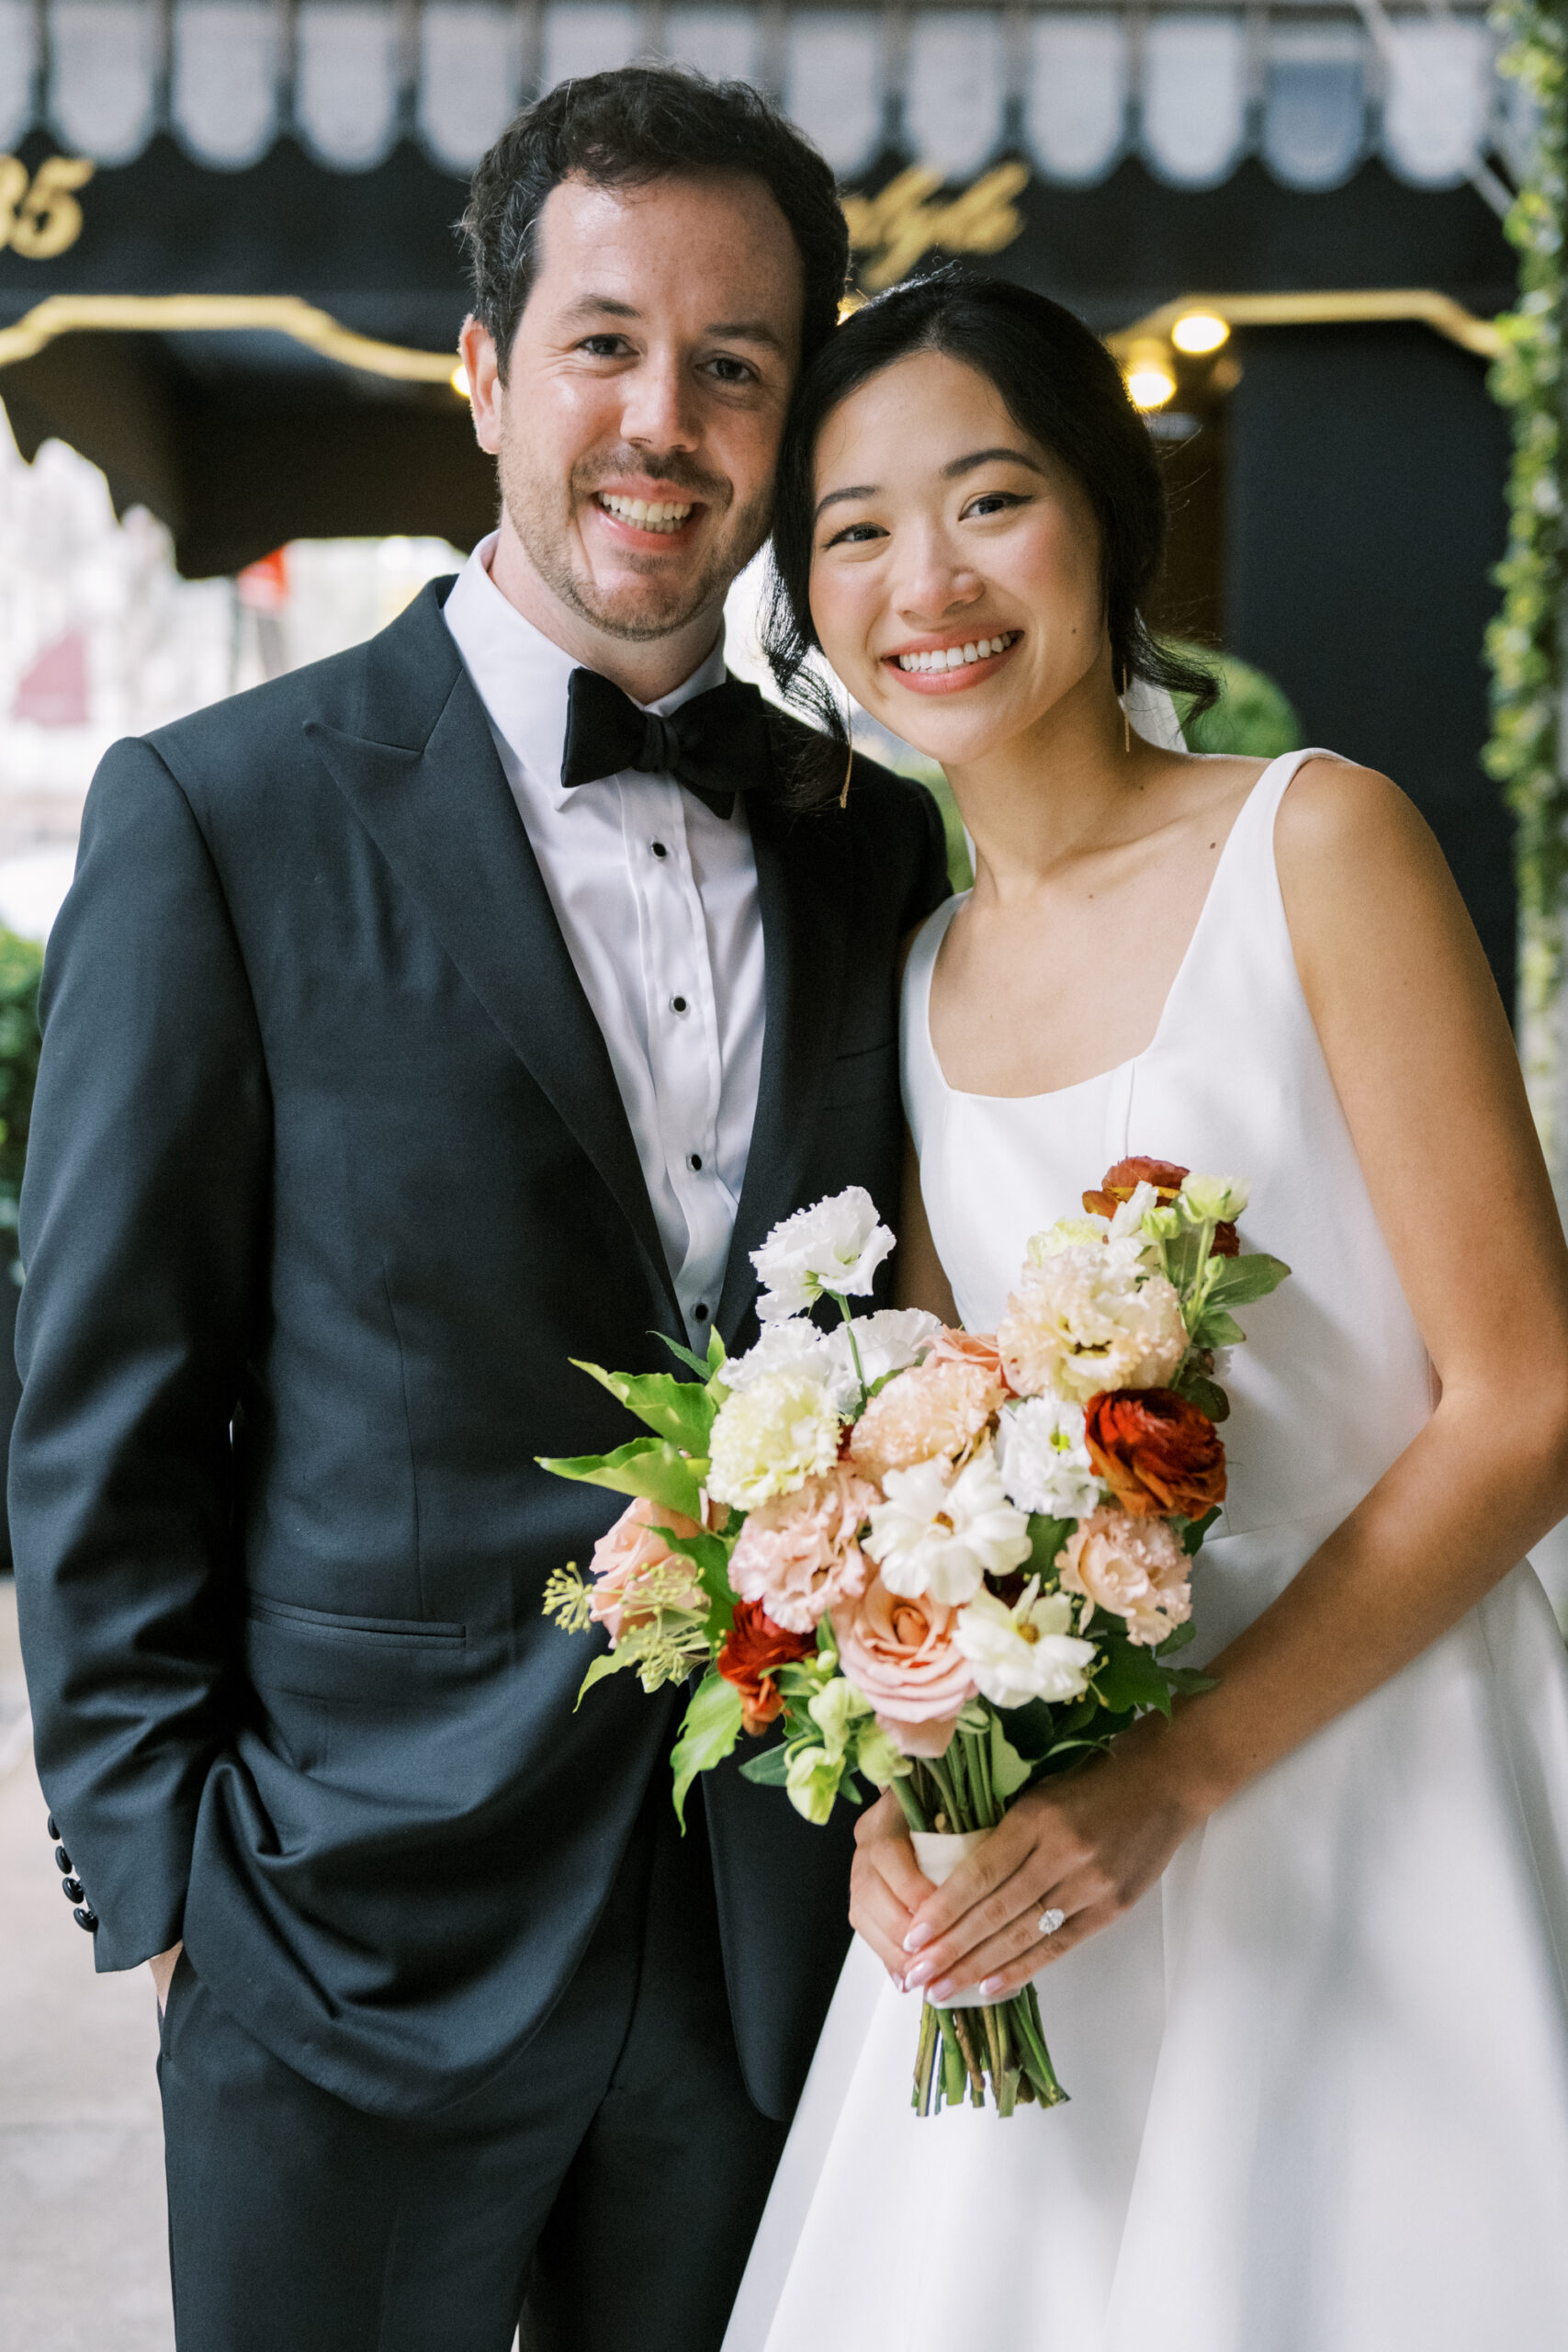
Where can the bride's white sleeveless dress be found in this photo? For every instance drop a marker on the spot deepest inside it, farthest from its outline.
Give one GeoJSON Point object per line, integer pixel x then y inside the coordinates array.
{"type": "Point", "coordinates": [1319, 2074]}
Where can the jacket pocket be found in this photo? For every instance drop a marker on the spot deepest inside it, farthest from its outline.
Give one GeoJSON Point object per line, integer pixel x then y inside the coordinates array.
{"type": "Point", "coordinates": [331, 1622]}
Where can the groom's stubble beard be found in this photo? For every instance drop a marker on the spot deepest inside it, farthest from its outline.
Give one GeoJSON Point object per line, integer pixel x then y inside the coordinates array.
{"type": "Point", "coordinates": [666, 599]}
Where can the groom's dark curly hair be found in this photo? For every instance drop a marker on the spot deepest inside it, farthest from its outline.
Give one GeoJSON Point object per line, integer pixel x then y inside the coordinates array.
{"type": "Point", "coordinates": [626, 129]}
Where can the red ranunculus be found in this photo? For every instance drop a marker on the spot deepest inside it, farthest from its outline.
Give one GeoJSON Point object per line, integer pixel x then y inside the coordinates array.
{"type": "Point", "coordinates": [753, 1645]}
{"type": "Point", "coordinates": [1156, 1452]}
{"type": "Point", "coordinates": [1120, 1182]}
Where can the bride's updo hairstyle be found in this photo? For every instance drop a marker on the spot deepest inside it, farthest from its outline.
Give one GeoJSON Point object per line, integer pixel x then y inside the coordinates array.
{"type": "Point", "coordinates": [1062, 388]}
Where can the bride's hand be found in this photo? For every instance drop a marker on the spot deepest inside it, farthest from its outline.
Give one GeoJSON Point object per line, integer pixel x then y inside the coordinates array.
{"type": "Point", "coordinates": [1087, 1844]}
{"type": "Point", "coordinates": [886, 1888]}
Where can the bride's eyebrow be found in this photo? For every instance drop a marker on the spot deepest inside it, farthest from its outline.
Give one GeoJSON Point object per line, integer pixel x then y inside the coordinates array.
{"type": "Point", "coordinates": [988, 457]}
{"type": "Point", "coordinates": [837, 497]}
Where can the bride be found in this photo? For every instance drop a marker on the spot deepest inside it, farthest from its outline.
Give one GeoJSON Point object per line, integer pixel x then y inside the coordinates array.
{"type": "Point", "coordinates": [1308, 1988]}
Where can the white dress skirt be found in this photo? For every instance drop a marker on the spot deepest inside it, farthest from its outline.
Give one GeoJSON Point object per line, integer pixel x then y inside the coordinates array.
{"type": "Point", "coordinates": [1319, 2073]}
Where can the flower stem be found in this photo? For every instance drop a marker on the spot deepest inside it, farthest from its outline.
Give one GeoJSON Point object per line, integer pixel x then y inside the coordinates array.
{"type": "Point", "coordinates": [842, 1304]}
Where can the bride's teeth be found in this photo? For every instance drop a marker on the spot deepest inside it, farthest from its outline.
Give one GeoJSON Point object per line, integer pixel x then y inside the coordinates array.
{"type": "Point", "coordinates": [971, 653]}
{"type": "Point", "coordinates": [956, 656]}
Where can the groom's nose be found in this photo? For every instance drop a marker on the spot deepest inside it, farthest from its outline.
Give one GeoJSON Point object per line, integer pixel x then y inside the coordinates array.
{"type": "Point", "coordinates": [660, 404]}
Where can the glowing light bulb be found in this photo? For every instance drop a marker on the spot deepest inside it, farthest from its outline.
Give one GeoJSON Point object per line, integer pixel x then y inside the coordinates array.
{"type": "Point", "coordinates": [459, 381]}
{"type": "Point", "coordinates": [1200, 332]}
{"type": "Point", "coordinates": [1151, 380]}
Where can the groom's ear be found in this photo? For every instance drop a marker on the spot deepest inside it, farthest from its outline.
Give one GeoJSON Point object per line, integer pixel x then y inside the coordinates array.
{"type": "Point", "coordinates": [486, 389]}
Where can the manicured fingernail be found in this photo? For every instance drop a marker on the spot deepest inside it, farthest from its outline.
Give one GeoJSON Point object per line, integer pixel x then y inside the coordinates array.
{"type": "Point", "coordinates": [919, 1933]}
{"type": "Point", "coordinates": [991, 1985]}
{"type": "Point", "coordinates": [940, 1992]}
{"type": "Point", "coordinates": [918, 1974]}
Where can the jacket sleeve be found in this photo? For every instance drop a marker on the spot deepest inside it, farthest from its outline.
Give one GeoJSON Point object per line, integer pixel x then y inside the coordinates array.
{"type": "Point", "coordinates": [931, 883]}
{"type": "Point", "coordinates": [142, 1234]}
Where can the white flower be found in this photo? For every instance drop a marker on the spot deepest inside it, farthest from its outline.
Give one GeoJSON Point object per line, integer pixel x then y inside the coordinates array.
{"type": "Point", "coordinates": [1127, 1223]}
{"type": "Point", "coordinates": [932, 1538]}
{"type": "Point", "coordinates": [889, 1340]}
{"type": "Point", "coordinates": [1215, 1199]}
{"type": "Point", "coordinates": [1067, 1233]}
{"type": "Point", "coordinates": [1025, 1652]}
{"type": "Point", "coordinates": [796, 1346]}
{"type": "Point", "coordinates": [770, 1438]}
{"type": "Point", "coordinates": [837, 1245]}
{"type": "Point", "coordinates": [1087, 1320]}
{"type": "Point", "coordinates": [1044, 1463]}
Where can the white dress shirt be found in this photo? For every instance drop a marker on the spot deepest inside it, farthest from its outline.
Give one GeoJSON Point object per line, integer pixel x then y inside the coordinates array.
{"type": "Point", "coordinates": [657, 902]}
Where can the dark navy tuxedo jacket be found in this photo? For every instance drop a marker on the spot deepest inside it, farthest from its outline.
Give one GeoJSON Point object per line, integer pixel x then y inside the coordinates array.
{"type": "Point", "coordinates": [328, 1177]}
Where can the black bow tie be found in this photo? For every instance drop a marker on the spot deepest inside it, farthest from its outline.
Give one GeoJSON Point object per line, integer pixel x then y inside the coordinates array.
{"type": "Point", "coordinates": [716, 745]}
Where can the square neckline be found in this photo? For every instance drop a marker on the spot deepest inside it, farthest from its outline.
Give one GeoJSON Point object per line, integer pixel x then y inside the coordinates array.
{"type": "Point", "coordinates": [1118, 1069]}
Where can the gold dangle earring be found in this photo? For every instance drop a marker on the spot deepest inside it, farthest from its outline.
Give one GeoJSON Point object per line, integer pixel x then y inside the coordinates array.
{"type": "Point", "coordinates": [850, 762]}
{"type": "Point", "coordinates": [1126, 722]}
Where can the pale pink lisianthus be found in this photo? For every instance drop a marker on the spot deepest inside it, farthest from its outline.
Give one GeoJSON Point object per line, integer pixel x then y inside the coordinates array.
{"type": "Point", "coordinates": [635, 1572]}
{"type": "Point", "coordinates": [799, 1555]}
{"type": "Point", "coordinates": [977, 1348]}
{"type": "Point", "coordinates": [1132, 1567]}
{"type": "Point", "coordinates": [935, 1410]}
{"type": "Point", "coordinates": [901, 1655]}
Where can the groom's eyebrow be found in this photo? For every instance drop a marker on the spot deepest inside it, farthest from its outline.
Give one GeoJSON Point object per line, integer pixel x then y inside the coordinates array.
{"type": "Point", "coordinates": [599, 306]}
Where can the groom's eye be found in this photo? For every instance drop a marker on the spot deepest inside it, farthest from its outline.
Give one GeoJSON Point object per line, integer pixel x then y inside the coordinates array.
{"type": "Point", "coordinates": [732, 371]}
{"type": "Point", "coordinates": [604, 347]}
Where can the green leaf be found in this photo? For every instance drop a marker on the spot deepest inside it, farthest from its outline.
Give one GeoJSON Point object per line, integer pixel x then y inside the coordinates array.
{"type": "Point", "coordinates": [1241, 1279]}
{"type": "Point", "coordinates": [1129, 1676]}
{"type": "Point", "coordinates": [645, 1465]}
{"type": "Point", "coordinates": [1203, 1392]}
{"type": "Point", "coordinates": [1216, 1328]}
{"type": "Point", "coordinates": [1046, 1537]}
{"type": "Point", "coordinates": [711, 1727]}
{"type": "Point", "coordinates": [1033, 1729]}
{"type": "Point", "coordinates": [682, 1355]}
{"type": "Point", "coordinates": [677, 1409]}
{"type": "Point", "coordinates": [1189, 1677]}
{"type": "Point", "coordinates": [611, 1662]}
{"type": "Point", "coordinates": [718, 1354]}
{"type": "Point", "coordinates": [1008, 1770]}
{"type": "Point", "coordinates": [769, 1770]}
{"type": "Point", "coordinates": [710, 1557]}
{"type": "Point", "coordinates": [1192, 1536]}
{"type": "Point", "coordinates": [1182, 1634]}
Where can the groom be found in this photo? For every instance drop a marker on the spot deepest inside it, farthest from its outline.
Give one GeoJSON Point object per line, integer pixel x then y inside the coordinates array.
{"type": "Point", "coordinates": [463, 1004]}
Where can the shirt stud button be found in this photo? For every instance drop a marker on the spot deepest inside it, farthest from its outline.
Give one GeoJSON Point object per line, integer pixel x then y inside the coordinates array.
{"type": "Point", "coordinates": [660, 850]}
{"type": "Point", "coordinates": [699, 1313]}
{"type": "Point", "coordinates": [677, 1004]}
{"type": "Point", "coordinates": [694, 1160]}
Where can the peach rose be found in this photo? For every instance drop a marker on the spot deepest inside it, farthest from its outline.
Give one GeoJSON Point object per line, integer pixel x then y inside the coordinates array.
{"type": "Point", "coordinates": [977, 1348]}
{"type": "Point", "coordinates": [752, 1647]}
{"type": "Point", "coordinates": [798, 1555]}
{"type": "Point", "coordinates": [635, 1572]}
{"type": "Point", "coordinates": [1133, 1568]}
{"type": "Point", "coordinates": [901, 1655]}
{"type": "Point", "coordinates": [1156, 1452]}
{"type": "Point", "coordinates": [934, 1409]}
{"type": "Point", "coordinates": [1121, 1182]}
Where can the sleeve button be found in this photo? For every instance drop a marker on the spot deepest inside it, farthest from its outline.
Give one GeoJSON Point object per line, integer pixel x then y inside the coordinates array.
{"type": "Point", "coordinates": [62, 1858]}
{"type": "Point", "coordinates": [53, 1827]}
{"type": "Point", "coordinates": [74, 1890]}
{"type": "Point", "coordinates": [86, 1920]}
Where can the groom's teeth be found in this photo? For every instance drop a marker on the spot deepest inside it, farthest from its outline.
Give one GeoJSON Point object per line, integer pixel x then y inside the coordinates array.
{"type": "Point", "coordinates": [645, 514]}
{"type": "Point", "coordinates": [955, 657]}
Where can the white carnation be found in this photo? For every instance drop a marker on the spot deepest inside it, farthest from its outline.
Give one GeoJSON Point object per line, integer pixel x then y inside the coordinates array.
{"type": "Point", "coordinates": [797, 1347]}
{"type": "Point", "coordinates": [1025, 1652]}
{"type": "Point", "coordinates": [837, 1245]}
{"type": "Point", "coordinates": [890, 1341]}
{"type": "Point", "coordinates": [770, 1438]}
{"type": "Point", "coordinates": [933, 1537]}
{"type": "Point", "coordinates": [1044, 1460]}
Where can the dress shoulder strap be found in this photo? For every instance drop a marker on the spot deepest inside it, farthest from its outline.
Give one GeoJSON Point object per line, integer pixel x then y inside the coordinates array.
{"type": "Point", "coordinates": [924, 1085]}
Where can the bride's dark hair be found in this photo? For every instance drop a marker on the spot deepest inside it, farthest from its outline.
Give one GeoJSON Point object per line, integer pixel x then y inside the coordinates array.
{"type": "Point", "coordinates": [1062, 388]}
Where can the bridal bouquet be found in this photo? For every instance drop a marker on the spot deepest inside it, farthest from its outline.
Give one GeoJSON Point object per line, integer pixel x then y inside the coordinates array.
{"type": "Point", "coordinates": [947, 1563]}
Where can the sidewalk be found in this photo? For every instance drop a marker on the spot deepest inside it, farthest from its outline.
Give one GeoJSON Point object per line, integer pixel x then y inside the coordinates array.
{"type": "Point", "coordinates": [84, 2263]}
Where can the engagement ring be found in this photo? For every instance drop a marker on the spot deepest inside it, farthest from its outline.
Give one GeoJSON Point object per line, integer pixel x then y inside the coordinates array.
{"type": "Point", "coordinates": [1050, 1921]}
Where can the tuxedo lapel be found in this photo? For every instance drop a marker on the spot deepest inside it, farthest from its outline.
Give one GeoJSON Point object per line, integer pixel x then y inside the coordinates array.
{"type": "Point", "coordinates": [801, 888]}
{"type": "Point", "coordinates": [443, 817]}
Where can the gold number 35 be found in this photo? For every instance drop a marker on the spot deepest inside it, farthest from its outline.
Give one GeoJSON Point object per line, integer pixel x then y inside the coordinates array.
{"type": "Point", "coordinates": [39, 217]}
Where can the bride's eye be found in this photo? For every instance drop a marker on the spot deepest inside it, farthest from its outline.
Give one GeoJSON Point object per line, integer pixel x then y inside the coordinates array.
{"type": "Point", "coordinates": [993, 502]}
{"type": "Point", "coordinates": [855, 534]}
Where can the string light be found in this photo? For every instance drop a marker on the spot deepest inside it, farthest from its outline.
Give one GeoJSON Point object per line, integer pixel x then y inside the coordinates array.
{"type": "Point", "coordinates": [1151, 380]}
{"type": "Point", "coordinates": [459, 381]}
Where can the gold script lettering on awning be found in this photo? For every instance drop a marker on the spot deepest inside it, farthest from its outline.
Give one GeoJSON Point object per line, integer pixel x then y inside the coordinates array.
{"type": "Point", "coordinates": [895, 229]}
{"type": "Point", "coordinates": [39, 216]}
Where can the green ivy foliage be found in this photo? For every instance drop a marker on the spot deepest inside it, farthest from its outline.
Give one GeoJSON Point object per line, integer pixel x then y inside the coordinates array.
{"type": "Point", "coordinates": [1525, 644]}
{"type": "Point", "coordinates": [21, 966]}
{"type": "Point", "coordinates": [1253, 719]}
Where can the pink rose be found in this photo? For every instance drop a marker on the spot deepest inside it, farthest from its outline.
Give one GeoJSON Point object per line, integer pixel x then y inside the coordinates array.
{"type": "Point", "coordinates": [798, 1554]}
{"type": "Point", "coordinates": [1132, 1567]}
{"type": "Point", "coordinates": [635, 1572]}
{"type": "Point", "coordinates": [901, 1655]}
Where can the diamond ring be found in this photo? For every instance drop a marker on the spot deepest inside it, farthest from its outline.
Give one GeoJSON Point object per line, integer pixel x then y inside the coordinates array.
{"type": "Point", "coordinates": [1050, 1921]}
